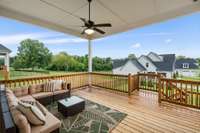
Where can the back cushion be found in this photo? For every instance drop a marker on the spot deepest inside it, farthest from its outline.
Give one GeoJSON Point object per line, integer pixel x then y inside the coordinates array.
{"type": "Point", "coordinates": [21, 121]}
{"type": "Point", "coordinates": [22, 91]}
{"type": "Point", "coordinates": [12, 99]}
{"type": "Point", "coordinates": [35, 88]}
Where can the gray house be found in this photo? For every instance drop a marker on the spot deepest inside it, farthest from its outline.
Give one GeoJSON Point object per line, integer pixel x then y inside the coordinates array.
{"type": "Point", "coordinates": [4, 53]}
{"type": "Point", "coordinates": [164, 63]}
{"type": "Point", "coordinates": [187, 67]}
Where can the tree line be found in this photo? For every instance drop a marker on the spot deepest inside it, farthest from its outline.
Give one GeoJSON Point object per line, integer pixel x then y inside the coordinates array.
{"type": "Point", "coordinates": [32, 54]}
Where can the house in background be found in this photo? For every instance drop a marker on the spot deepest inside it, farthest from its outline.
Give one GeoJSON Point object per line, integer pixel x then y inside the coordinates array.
{"type": "Point", "coordinates": [187, 67]}
{"type": "Point", "coordinates": [152, 62]}
{"type": "Point", "coordinates": [4, 54]}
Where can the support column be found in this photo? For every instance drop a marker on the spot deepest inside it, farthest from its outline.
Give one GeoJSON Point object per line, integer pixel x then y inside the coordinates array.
{"type": "Point", "coordinates": [89, 56]}
{"type": "Point", "coordinates": [7, 60]}
{"type": "Point", "coordinates": [89, 63]}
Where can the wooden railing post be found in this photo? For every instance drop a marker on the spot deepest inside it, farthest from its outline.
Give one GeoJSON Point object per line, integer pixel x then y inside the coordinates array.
{"type": "Point", "coordinates": [159, 88]}
{"type": "Point", "coordinates": [138, 81]}
{"type": "Point", "coordinates": [129, 84]}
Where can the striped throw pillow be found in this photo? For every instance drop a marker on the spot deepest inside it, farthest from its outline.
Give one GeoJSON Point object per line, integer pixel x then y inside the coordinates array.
{"type": "Point", "coordinates": [32, 113]}
{"type": "Point", "coordinates": [48, 87]}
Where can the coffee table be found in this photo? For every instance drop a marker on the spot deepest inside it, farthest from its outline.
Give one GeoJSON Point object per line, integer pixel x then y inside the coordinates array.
{"type": "Point", "coordinates": [71, 106]}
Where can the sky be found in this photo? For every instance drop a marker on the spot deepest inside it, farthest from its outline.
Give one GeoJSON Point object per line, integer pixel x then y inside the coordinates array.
{"type": "Point", "coordinates": [180, 36]}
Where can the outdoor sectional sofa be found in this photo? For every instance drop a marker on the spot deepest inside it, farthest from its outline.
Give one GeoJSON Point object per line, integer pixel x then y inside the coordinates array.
{"type": "Point", "coordinates": [9, 100]}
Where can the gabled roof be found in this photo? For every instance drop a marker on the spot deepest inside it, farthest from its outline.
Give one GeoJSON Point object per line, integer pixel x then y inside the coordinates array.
{"type": "Point", "coordinates": [138, 65]}
{"type": "Point", "coordinates": [119, 62]}
{"type": "Point", "coordinates": [156, 55]}
{"type": "Point", "coordinates": [167, 64]}
{"type": "Point", "coordinates": [192, 63]}
{"type": "Point", "coordinates": [4, 49]}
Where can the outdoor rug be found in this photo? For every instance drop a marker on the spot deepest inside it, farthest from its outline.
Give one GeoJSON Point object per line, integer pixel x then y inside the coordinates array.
{"type": "Point", "coordinates": [95, 118]}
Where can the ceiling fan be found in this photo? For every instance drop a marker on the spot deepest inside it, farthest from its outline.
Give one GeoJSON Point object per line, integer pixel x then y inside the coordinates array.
{"type": "Point", "coordinates": [90, 27]}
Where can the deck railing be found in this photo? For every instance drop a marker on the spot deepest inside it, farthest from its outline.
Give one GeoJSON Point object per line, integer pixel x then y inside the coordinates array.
{"type": "Point", "coordinates": [149, 81]}
{"type": "Point", "coordinates": [110, 81]}
{"type": "Point", "coordinates": [180, 92]}
{"type": "Point", "coordinates": [77, 80]}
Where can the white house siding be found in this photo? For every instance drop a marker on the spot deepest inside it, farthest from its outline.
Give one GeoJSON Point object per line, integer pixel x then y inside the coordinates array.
{"type": "Point", "coordinates": [116, 70]}
{"type": "Point", "coordinates": [188, 72]}
{"type": "Point", "coordinates": [143, 60]}
{"type": "Point", "coordinates": [154, 58]}
{"type": "Point", "coordinates": [129, 67]}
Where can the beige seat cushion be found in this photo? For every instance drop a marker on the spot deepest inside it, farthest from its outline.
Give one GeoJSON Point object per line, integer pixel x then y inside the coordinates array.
{"type": "Point", "coordinates": [42, 94]}
{"type": "Point", "coordinates": [35, 88]}
{"type": "Point", "coordinates": [26, 98]}
{"type": "Point", "coordinates": [60, 92]}
{"type": "Point", "coordinates": [21, 121]}
{"type": "Point", "coordinates": [23, 91]}
{"type": "Point", "coordinates": [52, 124]}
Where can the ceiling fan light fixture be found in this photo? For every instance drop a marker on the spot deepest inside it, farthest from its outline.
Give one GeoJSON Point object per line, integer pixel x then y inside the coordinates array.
{"type": "Point", "coordinates": [89, 31]}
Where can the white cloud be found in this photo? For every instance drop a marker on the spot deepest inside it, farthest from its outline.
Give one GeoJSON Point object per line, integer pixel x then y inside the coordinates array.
{"type": "Point", "coordinates": [137, 45]}
{"type": "Point", "coordinates": [168, 41]}
{"type": "Point", "coordinates": [158, 34]}
{"type": "Point", "coordinates": [63, 40]}
{"type": "Point", "coordinates": [47, 38]}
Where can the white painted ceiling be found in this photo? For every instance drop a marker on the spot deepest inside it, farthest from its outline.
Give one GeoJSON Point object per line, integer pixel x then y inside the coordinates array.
{"type": "Point", "coordinates": [63, 15]}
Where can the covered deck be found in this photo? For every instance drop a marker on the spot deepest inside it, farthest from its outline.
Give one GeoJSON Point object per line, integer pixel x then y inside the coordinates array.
{"type": "Point", "coordinates": [144, 113]}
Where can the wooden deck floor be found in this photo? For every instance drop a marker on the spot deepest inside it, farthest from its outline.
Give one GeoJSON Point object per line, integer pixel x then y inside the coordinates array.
{"type": "Point", "coordinates": [145, 114]}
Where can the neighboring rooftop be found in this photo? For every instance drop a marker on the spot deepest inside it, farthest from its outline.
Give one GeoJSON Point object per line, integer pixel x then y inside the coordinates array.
{"type": "Point", "coordinates": [136, 63]}
{"type": "Point", "coordinates": [192, 63]}
{"type": "Point", "coordinates": [166, 62]}
{"type": "Point", "coordinates": [119, 62]}
{"type": "Point", "coordinates": [4, 49]}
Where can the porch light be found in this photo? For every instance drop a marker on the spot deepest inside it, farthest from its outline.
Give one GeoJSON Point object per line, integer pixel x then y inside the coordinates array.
{"type": "Point", "coordinates": [89, 31]}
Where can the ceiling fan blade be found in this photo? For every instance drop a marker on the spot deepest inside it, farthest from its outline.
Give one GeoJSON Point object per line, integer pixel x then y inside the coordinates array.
{"type": "Point", "coordinates": [84, 20]}
{"type": "Point", "coordinates": [98, 30]}
{"type": "Point", "coordinates": [103, 25]}
{"type": "Point", "coordinates": [83, 32]}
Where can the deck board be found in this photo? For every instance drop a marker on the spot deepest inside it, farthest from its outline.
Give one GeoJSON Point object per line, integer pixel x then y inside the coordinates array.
{"type": "Point", "coordinates": [145, 114]}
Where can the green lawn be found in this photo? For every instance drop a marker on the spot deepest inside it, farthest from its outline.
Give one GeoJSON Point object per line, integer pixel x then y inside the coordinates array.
{"type": "Point", "coordinates": [24, 74]}
{"type": "Point", "coordinates": [190, 78]}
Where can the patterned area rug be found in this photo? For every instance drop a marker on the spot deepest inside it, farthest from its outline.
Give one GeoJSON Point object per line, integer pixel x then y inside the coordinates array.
{"type": "Point", "coordinates": [95, 118]}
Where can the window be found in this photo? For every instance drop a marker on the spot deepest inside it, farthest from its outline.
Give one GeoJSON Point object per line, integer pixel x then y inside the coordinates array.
{"type": "Point", "coordinates": [185, 65]}
{"type": "Point", "coordinates": [147, 65]}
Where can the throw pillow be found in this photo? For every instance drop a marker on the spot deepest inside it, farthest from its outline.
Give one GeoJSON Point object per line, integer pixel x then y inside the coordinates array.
{"type": "Point", "coordinates": [48, 87]}
{"type": "Point", "coordinates": [57, 85]}
{"type": "Point", "coordinates": [32, 113]}
{"type": "Point", "coordinates": [20, 121]}
{"type": "Point", "coordinates": [39, 106]}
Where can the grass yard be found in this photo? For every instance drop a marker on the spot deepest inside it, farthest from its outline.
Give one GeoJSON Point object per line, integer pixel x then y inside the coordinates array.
{"type": "Point", "coordinates": [190, 78]}
{"type": "Point", "coordinates": [25, 74]}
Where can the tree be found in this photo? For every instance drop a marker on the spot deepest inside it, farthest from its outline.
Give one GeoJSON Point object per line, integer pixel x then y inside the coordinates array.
{"type": "Point", "coordinates": [102, 64]}
{"type": "Point", "coordinates": [131, 56]}
{"type": "Point", "coordinates": [181, 57]}
{"type": "Point", "coordinates": [65, 62]}
{"type": "Point", "coordinates": [198, 61]}
{"type": "Point", "coordinates": [32, 54]}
